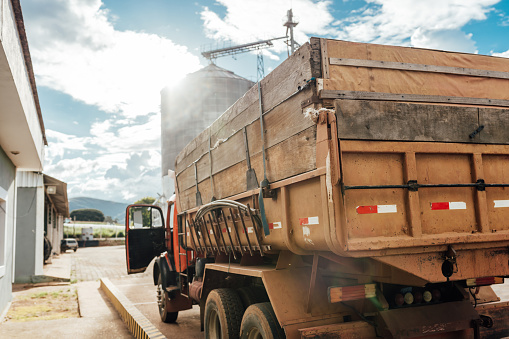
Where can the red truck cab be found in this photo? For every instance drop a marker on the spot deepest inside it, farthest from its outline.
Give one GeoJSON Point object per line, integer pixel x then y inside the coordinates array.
{"type": "Point", "coordinates": [148, 236]}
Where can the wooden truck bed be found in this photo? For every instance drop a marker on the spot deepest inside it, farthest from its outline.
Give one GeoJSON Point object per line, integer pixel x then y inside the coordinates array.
{"type": "Point", "coordinates": [371, 151]}
{"type": "Point", "coordinates": [389, 173]}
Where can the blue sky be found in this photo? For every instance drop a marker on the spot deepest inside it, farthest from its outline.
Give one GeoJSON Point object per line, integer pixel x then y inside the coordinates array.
{"type": "Point", "coordinates": [100, 65]}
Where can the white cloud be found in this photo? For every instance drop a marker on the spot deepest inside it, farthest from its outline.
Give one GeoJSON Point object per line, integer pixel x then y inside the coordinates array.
{"type": "Point", "coordinates": [446, 39]}
{"type": "Point", "coordinates": [60, 143]}
{"type": "Point", "coordinates": [433, 23]}
{"type": "Point", "coordinates": [429, 24]}
{"type": "Point", "coordinates": [114, 163]}
{"type": "Point", "coordinates": [249, 20]}
{"type": "Point", "coordinates": [503, 54]}
{"type": "Point", "coordinates": [76, 50]}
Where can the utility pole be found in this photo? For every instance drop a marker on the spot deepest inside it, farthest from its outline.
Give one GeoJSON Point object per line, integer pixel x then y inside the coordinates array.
{"type": "Point", "coordinates": [290, 24]}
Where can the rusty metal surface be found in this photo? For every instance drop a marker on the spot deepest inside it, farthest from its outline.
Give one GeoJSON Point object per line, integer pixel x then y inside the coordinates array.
{"type": "Point", "coordinates": [428, 320]}
{"type": "Point", "coordinates": [499, 312]}
{"type": "Point", "coordinates": [379, 164]}
{"type": "Point", "coordinates": [349, 330]}
{"type": "Point", "coordinates": [288, 290]}
{"type": "Point", "coordinates": [470, 264]}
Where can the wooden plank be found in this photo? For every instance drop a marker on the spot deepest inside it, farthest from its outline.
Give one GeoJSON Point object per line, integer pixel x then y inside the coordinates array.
{"type": "Point", "coordinates": [282, 122]}
{"type": "Point", "coordinates": [404, 66]}
{"type": "Point", "coordinates": [282, 163]}
{"type": "Point", "coordinates": [386, 120]}
{"type": "Point", "coordinates": [325, 59]}
{"type": "Point", "coordinates": [358, 146]}
{"type": "Point", "coordinates": [316, 58]}
{"type": "Point", "coordinates": [495, 122]}
{"type": "Point", "coordinates": [276, 86]}
{"type": "Point", "coordinates": [359, 95]}
{"type": "Point", "coordinates": [356, 50]}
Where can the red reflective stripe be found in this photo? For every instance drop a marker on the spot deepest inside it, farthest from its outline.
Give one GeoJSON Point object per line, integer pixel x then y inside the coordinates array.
{"type": "Point", "coordinates": [439, 206]}
{"type": "Point", "coordinates": [303, 221]}
{"type": "Point", "coordinates": [271, 226]}
{"type": "Point", "coordinates": [367, 209]}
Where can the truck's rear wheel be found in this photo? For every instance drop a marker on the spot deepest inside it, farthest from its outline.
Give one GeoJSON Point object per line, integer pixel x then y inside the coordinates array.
{"type": "Point", "coordinates": [260, 322]}
{"type": "Point", "coordinates": [223, 314]}
{"type": "Point", "coordinates": [162, 303]}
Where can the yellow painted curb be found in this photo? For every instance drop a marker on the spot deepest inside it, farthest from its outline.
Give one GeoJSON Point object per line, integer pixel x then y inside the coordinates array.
{"type": "Point", "coordinates": [136, 322]}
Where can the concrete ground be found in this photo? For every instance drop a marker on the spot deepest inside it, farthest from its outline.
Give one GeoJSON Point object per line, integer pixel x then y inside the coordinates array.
{"type": "Point", "coordinates": [96, 263]}
{"type": "Point", "coordinates": [98, 318]}
{"type": "Point", "coordinates": [142, 294]}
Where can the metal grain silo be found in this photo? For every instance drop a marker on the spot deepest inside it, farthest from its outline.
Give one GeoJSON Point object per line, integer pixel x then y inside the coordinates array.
{"type": "Point", "coordinates": [191, 106]}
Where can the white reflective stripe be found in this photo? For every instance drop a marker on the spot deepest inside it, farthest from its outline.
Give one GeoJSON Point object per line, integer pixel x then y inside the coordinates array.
{"type": "Point", "coordinates": [501, 203]}
{"type": "Point", "coordinates": [387, 209]}
{"type": "Point", "coordinates": [276, 225]}
{"type": "Point", "coordinates": [250, 230]}
{"type": "Point", "coordinates": [457, 205]}
{"type": "Point", "coordinates": [313, 221]}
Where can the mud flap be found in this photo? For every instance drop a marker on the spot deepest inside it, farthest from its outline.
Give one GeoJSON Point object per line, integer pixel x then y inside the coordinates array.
{"type": "Point", "coordinates": [426, 320]}
{"type": "Point", "coordinates": [499, 312]}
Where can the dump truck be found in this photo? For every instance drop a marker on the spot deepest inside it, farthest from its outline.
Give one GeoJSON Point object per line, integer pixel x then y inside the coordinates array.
{"type": "Point", "coordinates": [357, 191]}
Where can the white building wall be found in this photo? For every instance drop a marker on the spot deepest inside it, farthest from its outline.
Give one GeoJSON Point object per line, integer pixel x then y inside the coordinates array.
{"type": "Point", "coordinates": [14, 54]}
{"type": "Point", "coordinates": [39, 233]}
{"type": "Point", "coordinates": [29, 226]}
{"type": "Point", "coordinates": [8, 196]}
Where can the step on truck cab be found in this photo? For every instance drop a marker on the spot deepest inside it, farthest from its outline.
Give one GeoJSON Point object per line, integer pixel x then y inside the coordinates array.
{"type": "Point", "coordinates": [358, 190]}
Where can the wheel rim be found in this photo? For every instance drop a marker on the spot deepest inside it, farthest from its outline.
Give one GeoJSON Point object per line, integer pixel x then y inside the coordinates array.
{"type": "Point", "coordinates": [254, 333]}
{"type": "Point", "coordinates": [214, 326]}
{"type": "Point", "coordinates": [161, 300]}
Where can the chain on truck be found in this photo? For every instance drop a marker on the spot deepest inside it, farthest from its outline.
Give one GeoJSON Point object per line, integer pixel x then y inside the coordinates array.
{"type": "Point", "coordinates": [358, 190]}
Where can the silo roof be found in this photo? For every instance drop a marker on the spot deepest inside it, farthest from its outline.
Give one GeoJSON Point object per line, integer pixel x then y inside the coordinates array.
{"type": "Point", "coordinates": [214, 71]}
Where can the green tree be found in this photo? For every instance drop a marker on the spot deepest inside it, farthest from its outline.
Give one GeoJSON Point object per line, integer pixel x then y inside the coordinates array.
{"type": "Point", "coordinates": [87, 214]}
{"type": "Point", "coordinates": [146, 200]}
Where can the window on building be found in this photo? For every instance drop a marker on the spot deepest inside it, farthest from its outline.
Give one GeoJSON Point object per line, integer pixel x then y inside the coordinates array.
{"type": "Point", "coordinates": [3, 230]}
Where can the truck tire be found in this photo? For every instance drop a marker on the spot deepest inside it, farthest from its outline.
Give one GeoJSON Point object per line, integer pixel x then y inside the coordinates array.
{"type": "Point", "coordinates": [260, 322]}
{"type": "Point", "coordinates": [162, 302]}
{"type": "Point", "coordinates": [223, 314]}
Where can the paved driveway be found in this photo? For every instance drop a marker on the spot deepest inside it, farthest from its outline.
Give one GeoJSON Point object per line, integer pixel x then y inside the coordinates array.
{"type": "Point", "coordinates": [93, 263]}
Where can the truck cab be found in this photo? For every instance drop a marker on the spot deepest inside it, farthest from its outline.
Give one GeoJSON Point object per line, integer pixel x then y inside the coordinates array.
{"type": "Point", "coordinates": [148, 236]}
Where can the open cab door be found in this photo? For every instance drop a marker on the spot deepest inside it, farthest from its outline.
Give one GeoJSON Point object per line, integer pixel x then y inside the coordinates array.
{"type": "Point", "coordinates": [145, 236]}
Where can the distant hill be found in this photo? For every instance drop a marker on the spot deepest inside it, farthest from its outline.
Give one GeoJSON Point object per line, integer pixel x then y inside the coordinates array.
{"type": "Point", "coordinates": [116, 210]}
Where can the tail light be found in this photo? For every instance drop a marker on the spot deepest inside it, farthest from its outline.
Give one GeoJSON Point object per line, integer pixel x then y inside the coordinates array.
{"type": "Point", "coordinates": [484, 281]}
{"type": "Point", "coordinates": [427, 296]}
{"type": "Point", "coordinates": [338, 294]}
